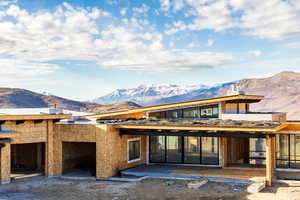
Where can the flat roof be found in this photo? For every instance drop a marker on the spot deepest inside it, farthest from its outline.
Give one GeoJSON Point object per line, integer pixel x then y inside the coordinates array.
{"type": "Point", "coordinates": [207, 125]}
{"type": "Point", "coordinates": [233, 98]}
{"type": "Point", "coordinates": [34, 117]}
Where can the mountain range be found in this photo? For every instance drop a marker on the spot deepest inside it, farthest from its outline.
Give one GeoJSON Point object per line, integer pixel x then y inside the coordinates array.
{"type": "Point", "coordinates": [21, 98]}
{"type": "Point", "coordinates": [281, 91]}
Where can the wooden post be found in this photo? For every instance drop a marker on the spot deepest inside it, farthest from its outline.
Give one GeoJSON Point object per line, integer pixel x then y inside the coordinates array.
{"type": "Point", "coordinates": [270, 152]}
{"type": "Point", "coordinates": [5, 168]}
{"type": "Point", "coordinates": [224, 151]}
{"type": "Point", "coordinates": [49, 171]}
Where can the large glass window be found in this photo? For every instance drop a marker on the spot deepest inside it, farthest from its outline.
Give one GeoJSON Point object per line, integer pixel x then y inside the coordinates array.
{"type": "Point", "coordinates": [134, 149]}
{"type": "Point", "coordinates": [210, 150]}
{"type": "Point", "coordinates": [157, 149]}
{"type": "Point", "coordinates": [192, 150]}
{"type": "Point", "coordinates": [211, 111]}
{"type": "Point", "coordinates": [191, 113]}
{"type": "Point", "coordinates": [257, 151]}
{"type": "Point", "coordinates": [174, 149]}
{"type": "Point", "coordinates": [187, 149]}
{"type": "Point", "coordinates": [288, 151]}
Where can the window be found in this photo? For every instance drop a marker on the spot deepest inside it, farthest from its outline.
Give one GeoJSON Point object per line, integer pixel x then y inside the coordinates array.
{"type": "Point", "coordinates": [191, 113]}
{"type": "Point", "coordinates": [288, 151]}
{"type": "Point", "coordinates": [184, 150]}
{"type": "Point", "coordinates": [134, 150]}
{"type": "Point", "coordinates": [210, 112]}
{"type": "Point", "coordinates": [174, 114]}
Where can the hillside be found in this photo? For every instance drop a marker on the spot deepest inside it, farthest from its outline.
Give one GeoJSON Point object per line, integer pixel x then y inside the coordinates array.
{"type": "Point", "coordinates": [20, 98]}
{"type": "Point", "coordinates": [281, 91]}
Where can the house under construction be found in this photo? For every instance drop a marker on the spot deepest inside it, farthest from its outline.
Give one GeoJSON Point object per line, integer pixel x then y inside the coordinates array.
{"type": "Point", "coordinates": [216, 133]}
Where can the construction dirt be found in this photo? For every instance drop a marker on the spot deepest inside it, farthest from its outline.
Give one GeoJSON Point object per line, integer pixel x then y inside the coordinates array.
{"type": "Point", "coordinates": [40, 188]}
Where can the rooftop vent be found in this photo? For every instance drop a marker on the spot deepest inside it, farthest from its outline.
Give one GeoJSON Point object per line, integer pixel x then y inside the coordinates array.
{"type": "Point", "coordinates": [234, 90]}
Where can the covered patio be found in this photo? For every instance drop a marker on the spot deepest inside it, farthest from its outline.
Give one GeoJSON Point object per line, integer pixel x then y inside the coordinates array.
{"type": "Point", "coordinates": [212, 173]}
{"type": "Point", "coordinates": [243, 152]}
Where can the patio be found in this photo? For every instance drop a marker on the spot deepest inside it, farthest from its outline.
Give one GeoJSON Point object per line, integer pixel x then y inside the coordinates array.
{"type": "Point", "coordinates": [212, 173]}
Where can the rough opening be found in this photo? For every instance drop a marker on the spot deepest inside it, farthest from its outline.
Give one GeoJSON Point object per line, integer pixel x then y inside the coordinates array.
{"type": "Point", "coordinates": [79, 159]}
{"type": "Point", "coordinates": [27, 159]}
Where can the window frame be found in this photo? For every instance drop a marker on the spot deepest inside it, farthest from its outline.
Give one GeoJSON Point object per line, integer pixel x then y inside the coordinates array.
{"type": "Point", "coordinates": [128, 150]}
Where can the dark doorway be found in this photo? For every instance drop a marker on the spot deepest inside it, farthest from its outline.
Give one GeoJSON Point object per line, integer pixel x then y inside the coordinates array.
{"type": "Point", "coordinates": [27, 159]}
{"type": "Point", "coordinates": [79, 159]}
{"type": "Point", "coordinates": [246, 152]}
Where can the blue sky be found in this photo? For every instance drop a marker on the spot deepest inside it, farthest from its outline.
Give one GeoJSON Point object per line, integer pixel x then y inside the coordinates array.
{"type": "Point", "coordinates": [84, 49]}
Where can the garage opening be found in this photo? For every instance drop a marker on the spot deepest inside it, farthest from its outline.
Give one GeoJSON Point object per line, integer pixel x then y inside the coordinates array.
{"type": "Point", "coordinates": [27, 159]}
{"type": "Point", "coordinates": [79, 159]}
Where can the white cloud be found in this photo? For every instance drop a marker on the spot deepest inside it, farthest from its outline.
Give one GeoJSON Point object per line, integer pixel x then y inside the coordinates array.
{"type": "Point", "coordinates": [191, 45]}
{"type": "Point", "coordinates": [141, 10]}
{"type": "Point", "coordinates": [165, 5]}
{"type": "Point", "coordinates": [123, 11]}
{"type": "Point", "coordinates": [71, 33]}
{"type": "Point", "coordinates": [210, 42]}
{"type": "Point", "coordinates": [7, 2]}
{"type": "Point", "coordinates": [268, 19]}
{"type": "Point", "coordinates": [255, 53]}
{"type": "Point", "coordinates": [18, 68]}
{"type": "Point", "coordinates": [292, 45]}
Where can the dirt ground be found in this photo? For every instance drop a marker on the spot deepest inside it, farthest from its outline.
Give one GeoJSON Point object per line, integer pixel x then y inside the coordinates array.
{"type": "Point", "coordinates": [41, 188]}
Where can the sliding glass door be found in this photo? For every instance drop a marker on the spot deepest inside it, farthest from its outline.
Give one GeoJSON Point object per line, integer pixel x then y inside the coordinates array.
{"type": "Point", "coordinates": [288, 151]}
{"type": "Point", "coordinates": [192, 150]}
{"type": "Point", "coordinates": [184, 150]}
{"type": "Point", "coordinates": [174, 149]}
{"type": "Point", "coordinates": [158, 149]}
{"type": "Point", "coordinates": [210, 150]}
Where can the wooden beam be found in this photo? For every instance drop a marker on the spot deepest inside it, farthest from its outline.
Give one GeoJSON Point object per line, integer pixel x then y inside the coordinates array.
{"type": "Point", "coordinates": [270, 153]}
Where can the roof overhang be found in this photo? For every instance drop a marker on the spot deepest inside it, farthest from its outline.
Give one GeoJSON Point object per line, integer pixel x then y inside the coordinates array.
{"type": "Point", "coordinates": [34, 117]}
{"type": "Point", "coordinates": [200, 128]}
{"type": "Point", "coordinates": [229, 99]}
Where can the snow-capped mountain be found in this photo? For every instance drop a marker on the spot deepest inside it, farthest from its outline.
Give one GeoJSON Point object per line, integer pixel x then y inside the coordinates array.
{"type": "Point", "coordinates": [281, 91]}
{"type": "Point", "coordinates": [148, 94]}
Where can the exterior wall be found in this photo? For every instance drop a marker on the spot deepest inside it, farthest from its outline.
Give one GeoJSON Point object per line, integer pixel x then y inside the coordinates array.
{"type": "Point", "coordinates": [28, 132]}
{"type": "Point", "coordinates": [111, 148]}
{"type": "Point", "coordinates": [112, 152]}
{"type": "Point", "coordinates": [279, 117]}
